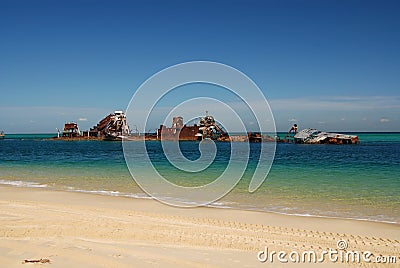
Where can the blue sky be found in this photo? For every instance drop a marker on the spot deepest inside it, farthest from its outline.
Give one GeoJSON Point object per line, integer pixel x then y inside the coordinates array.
{"type": "Point", "coordinates": [332, 65]}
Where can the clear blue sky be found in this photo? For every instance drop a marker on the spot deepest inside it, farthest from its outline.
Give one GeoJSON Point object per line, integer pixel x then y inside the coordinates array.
{"type": "Point", "coordinates": [333, 65]}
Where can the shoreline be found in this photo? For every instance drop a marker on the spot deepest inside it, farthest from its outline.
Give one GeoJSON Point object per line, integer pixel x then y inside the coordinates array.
{"type": "Point", "coordinates": [70, 228]}
{"type": "Point", "coordinates": [110, 193]}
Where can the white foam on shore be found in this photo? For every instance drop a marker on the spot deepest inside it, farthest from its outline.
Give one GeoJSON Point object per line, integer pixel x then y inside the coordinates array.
{"type": "Point", "coordinates": [321, 216]}
{"type": "Point", "coordinates": [109, 193]}
{"type": "Point", "coordinates": [28, 184]}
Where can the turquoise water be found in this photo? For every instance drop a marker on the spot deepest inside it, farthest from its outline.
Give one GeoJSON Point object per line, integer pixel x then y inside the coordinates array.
{"type": "Point", "coordinates": [346, 181]}
{"type": "Point", "coordinates": [30, 136]}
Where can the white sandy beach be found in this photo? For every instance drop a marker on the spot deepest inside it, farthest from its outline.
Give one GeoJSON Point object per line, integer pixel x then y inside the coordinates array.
{"type": "Point", "coordinates": [85, 230]}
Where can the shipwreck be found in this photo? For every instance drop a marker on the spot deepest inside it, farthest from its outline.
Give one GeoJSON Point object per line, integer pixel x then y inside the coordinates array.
{"type": "Point", "coordinates": [112, 127]}
{"type": "Point", "coordinates": [115, 127]}
{"type": "Point", "coordinates": [314, 136]}
{"type": "Point", "coordinates": [210, 129]}
{"type": "Point", "coordinates": [207, 128]}
{"type": "Point", "coordinates": [178, 131]}
{"type": "Point", "coordinates": [71, 130]}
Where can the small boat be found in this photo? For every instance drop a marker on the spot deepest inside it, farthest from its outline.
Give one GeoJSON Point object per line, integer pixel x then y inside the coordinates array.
{"type": "Point", "coordinates": [2, 135]}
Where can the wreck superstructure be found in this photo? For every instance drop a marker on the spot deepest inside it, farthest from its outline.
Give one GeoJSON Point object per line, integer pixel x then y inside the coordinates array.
{"type": "Point", "coordinates": [71, 130]}
{"type": "Point", "coordinates": [113, 126]}
{"type": "Point", "coordinates": [178, 131]}
{"type": "Point", "coordinates": [209, 129]}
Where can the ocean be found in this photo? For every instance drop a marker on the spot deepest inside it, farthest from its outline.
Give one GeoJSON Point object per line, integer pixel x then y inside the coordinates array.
{"type": "Point", "coordinates": [340, 181]}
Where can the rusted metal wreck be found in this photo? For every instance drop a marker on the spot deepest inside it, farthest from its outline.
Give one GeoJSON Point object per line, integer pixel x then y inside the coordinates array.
{"type": "Point", "coordinates": [207, 128]}
{"type": "Point", "coordinates": [314, 136]}
{"type": "Point", "coordinates": [178, 131]}
{"type": "Point", "coordinates": [112, 127]}
{"type": "Point", "coordinates": [71, 130]}
{"type": "Point", "coordinates": [115, 127]}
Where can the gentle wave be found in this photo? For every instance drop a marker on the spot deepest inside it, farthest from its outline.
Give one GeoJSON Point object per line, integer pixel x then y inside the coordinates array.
{"type": "Point", "coordinates": [27, 184]}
